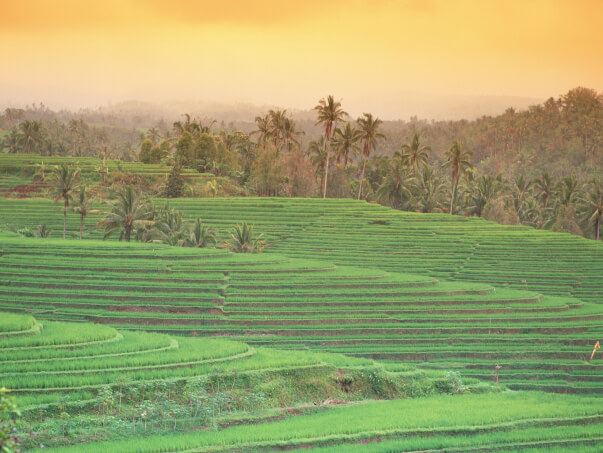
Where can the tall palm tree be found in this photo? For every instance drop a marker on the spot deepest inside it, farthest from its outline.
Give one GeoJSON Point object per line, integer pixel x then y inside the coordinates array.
{"type": "Point", "coordinates": [64, 183]}
{"type": "Point", "coordinates": [154, 135]}
{"type": "Point", "coordinates": [243, 240]}
{"type": "Point", "coordinates": [263, 128]}
{"type": "Point", "coordinates": [290, 134]}
{"type": "Point", "coordinates": [329, 114]}
{"type": "Point", "coordinates": [201, 235]}
{"type": "Point", "coordinates": [591, 204]}
{"type": "Point", "coordinates": [414, 155]}
{"type": "Point", "coordinates": [457, 159]}
{"type": "Point", "coordinates": [277, 123]}
{"type": "Point", "coordinates": [369, 135]}
{"type": "Point", "coordinates": [317, 152]}
{"type": "Point", "coordinates": [82, 206]}
{"type": "Point", "coordinates": [345, 142]}
{"type": "Point", "coordinates": [568, 190]}
{"type": "Point", "coordinates": [128, 213]}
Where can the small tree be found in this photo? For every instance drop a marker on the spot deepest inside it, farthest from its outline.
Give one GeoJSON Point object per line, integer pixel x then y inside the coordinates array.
{"type": "Point", "coordinates": [43, 231]}
{"type": "Point", "coordinates": [243, 241]}
{"type": "Point", "coordinates": [64, 184]}
{"type": "Point", "coordinates": [201, 235]}
{"type": "Point", "coordinates": [129, 213]}
{"type": "Point", "coordinates": [175, 182]}
{"type": "Point", "coordinates": [82, 206]}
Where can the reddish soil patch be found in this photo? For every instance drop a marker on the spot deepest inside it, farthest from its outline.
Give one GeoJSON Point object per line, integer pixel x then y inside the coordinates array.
{"type": "Point", "coordinates": [23, 190]}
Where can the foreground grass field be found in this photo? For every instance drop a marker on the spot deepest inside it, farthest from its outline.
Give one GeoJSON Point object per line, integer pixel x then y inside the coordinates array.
{"type": "Point", "coordinates": [459, 423]}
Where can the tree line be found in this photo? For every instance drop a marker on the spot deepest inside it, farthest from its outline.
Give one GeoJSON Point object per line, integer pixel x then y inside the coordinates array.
{"type": "Point", "coordinates": [489, 167]}
{"type": "Point", "coordinates": [133, 216]}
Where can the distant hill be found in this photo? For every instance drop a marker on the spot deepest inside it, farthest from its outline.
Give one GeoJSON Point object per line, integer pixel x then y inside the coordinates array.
{"type": "Point", "coordinates": [429, 107]}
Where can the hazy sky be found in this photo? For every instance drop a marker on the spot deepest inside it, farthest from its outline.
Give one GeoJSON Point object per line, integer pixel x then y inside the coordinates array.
{"type": "Point", "coordinates": [375, 54]}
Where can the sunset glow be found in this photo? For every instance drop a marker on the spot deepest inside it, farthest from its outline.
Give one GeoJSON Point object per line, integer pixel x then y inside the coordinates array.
{"type": "Point", "coordinates": [373, 54]}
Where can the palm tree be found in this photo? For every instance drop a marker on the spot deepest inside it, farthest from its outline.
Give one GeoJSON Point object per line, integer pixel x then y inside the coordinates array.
{"type": "Point", "coordinates": [458, 160]}
{"type": "Point", "coordinates": [154, 135]}
{"type": "Point", "coordinates": [263, 128]}
{"type": "Point", "coordinates": [370, 136]}
{"type": "Point", "coordinates": [567, 190]}
{"type": "Point", "coordinates": [544, 188]}
{"type": "Point", "coordinates": [243, 240]}
{"type": "Point", "coordinates": [345, 142]}
{"type": "Point", "coordinates": [277, 123]}
{"type": "Point", "coordinates": [168, 227]}
{"type": "Point", "coordinates": [11, 141]}
{"type": "Point", "coordinates": [290, 134]}
{"type": "Point", "coordinates": [317, 152]}
{"type": "Point", "coordinates": [485, 189]}
{"type": "Point", "coordinates": [415, 155]}
{"type": "Point", "coordinates": [64, 183]}
{"type": "Point", "coordinates": [201, 235]}
{"type": "Point", "coordinates": [591, 204]}
{"type": "Point", "coordinates": [329, 114]}
{"type": "Point", "coordinates": [520, 189]}
{"type": "Point", "coordinates": [129, 213]}
{"type": "Point", "coordinates": [82, 206]}
{"type": "Point", "coordinates": [430, 192]}
{"type": "Point", "coordinates": [31, 136]}
{"type": "Point", "coordinates": [397, 185]}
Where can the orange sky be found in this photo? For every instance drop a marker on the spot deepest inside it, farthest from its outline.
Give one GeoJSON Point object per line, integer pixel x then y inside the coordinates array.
{"type": "Point", "coordinates": [374, 54]}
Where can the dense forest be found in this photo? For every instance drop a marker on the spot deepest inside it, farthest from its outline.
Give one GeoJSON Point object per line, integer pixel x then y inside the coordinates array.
{"type": "Point", "coordinates": [540, 166]}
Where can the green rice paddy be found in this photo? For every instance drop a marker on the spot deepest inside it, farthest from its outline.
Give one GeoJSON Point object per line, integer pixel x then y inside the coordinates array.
{"type": "Point", "coordinates": [344, 283]}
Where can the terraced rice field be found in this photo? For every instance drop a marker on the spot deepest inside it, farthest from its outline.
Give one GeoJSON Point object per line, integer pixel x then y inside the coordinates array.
{"type": "Point", "coordinates": [344, 284]}
{"type": "Point", "coordinates": [269, 300]}
{"type": "Point", "coordinates": [364, 235]}
{"type": "Point", "coordinates": [43, 360]}
{"type": "Point", "coordinates": [509, 422]}
{"type": "Point", "coordinates": [90, 167]}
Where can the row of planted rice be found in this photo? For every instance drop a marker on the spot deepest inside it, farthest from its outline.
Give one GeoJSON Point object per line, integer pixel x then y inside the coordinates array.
{"type": "Point", "coordinates": [492, 422]}
{"type": "Point", "coordinates": [541, 342]}
{"type": "Point", "coordinates": [89, 166]}
{"type": "Point", "coordinates": [347, 232]}
{"type": "Point", "coordinates": [42, 361]}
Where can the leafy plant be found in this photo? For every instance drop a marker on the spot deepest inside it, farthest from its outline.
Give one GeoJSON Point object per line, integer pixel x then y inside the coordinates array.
{"type": "Point", "coordinates": [130, 212]}
{"type": "Point", "coordinates": [243, 240]}
{"type": "Point", "coordinates": [9, 441]}
{"type": "Point", "coordinates": [43, 231]}
{"type": "Point", "coordinates": [201, 235]}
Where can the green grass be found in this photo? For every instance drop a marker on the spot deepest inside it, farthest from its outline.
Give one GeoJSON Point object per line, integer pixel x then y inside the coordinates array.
{"type": "Point", "coordinates": [401, 419]}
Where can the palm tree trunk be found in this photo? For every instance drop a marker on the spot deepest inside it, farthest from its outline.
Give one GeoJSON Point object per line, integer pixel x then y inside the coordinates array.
{"type": "Point", "coordinates": [324, 188]}
{"type": "Point", "coordinates": [452, 197]}
{"type": "Point", "coordinates": [361, 179]}
{"type": "Point", "coordinates": [127, 235]}
{"type": "Point", "coordinates": [81, 226]}
{"type": "Point", "coordinates": [65, 218]}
